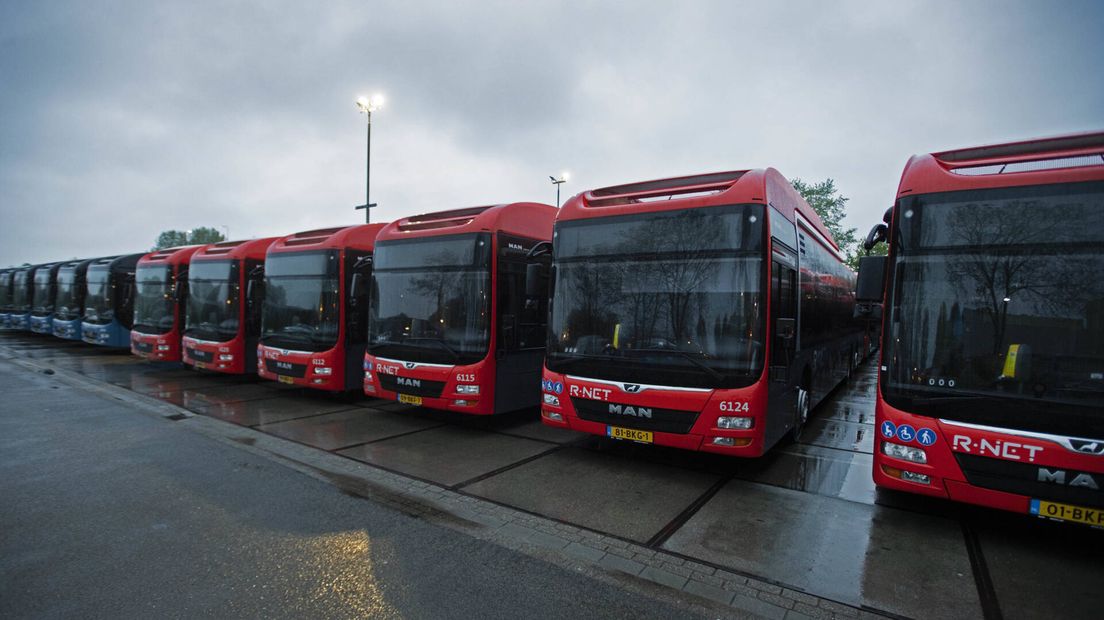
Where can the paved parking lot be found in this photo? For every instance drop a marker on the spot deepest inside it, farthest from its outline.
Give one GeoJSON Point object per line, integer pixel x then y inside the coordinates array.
{"type": "Point", "coordinates": [806, 517]}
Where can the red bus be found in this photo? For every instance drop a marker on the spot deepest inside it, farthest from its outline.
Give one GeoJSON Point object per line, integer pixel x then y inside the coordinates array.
{"type": "Point", "coordinates": [161, 281]}
{"type": "Point", "coordinates": [223, 315]}
{"type": "Point", "coordinates": [451, 326]}
{"type": "Point", "coordinates": [708, 312]}
{"type": "Point", "coordinates": [991, 383]}
{"type": "Point", "coordinates": [314, 316]}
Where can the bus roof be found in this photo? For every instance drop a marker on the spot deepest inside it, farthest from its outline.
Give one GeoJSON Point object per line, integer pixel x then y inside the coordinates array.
{"type": "Point", "coordinates": [1059, 159]}
{"type": "Point", "coordinates": [124, 262]}
{"type": "Point", "coordinates": [527, 219]}
{"type": "Point", "coordinates": [360, 237]}
{"type": "Point", "coordinates": [170, 256]}
{"type": "Point", "coordinates": [81, 265]}
{"type": "Point", "coordinates": [236, 250]}
{"type": "Point", "coordinates": [52, 267]}
{"type": "Point", "coordinates": [762, 185]}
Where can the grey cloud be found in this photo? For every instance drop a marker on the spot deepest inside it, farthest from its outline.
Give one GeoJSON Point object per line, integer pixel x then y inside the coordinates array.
{"type": "Point", "coordinates": [119, 120]}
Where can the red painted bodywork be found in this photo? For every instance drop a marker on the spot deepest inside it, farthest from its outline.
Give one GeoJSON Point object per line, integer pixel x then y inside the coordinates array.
{"type": "Point", "coordinates": [362, 237]}
{"type": "Point", "coordinates": [240, 251]}
{"type": "Point", "coordinates": [762, 186]}
{"type": "Point", "coordinates": [932, 173]}
{"type": "Point", "coordinates": [525, 219]}
{"type": "Point", "coordinates": [175, 258]}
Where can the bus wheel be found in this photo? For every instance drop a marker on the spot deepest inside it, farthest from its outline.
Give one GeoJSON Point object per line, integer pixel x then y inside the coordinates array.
{"type": "Point", "coordinates": [801, 413]}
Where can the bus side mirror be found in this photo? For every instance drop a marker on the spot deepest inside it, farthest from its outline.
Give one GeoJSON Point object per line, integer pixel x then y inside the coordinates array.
{"type": "Point", "coordinates": [869, 287]}
{"type": "Point", "coordinates": [876, 235]}
{"type": "Point", "coordinates": [785, 328]}
{"type": "Point", "coordinates": [536, 280]}
{"type": "Point", "coordinates": [356, 289]}
{"type": "Point", "coordinates": [870, 283]}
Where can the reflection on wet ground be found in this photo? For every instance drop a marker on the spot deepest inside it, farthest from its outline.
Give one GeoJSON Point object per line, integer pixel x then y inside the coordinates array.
{"type": "Point", "coordinates": [806, 515]}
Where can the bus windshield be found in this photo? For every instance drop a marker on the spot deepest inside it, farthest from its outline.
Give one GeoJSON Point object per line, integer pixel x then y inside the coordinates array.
{"type": "Point", "coordinates": [66, 304]}
{"type": "Point", "coordinates": [5, 291]}
{"type": "Point", "coordinates": [43, 299]}
{"type": "Point", "coordinates": [20, 303]}
{"type": "Point", "coordinates": [214, 292]}
{"type": "Point", "coordinates": [997, 298]}
{"type": "Point", "coordinates": [431, 299]}
{"type": "Point", "coordinates": [302, 300]}
{"type": "Point", "coordinates": [99, 301]}
{"type": "Point", "coordinates": [669, 298]}
{"type": "Point", "coordinates": [154, 304]}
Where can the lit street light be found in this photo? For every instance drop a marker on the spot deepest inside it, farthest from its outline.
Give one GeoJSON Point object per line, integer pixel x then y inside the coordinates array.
{"type": "Point", "coordinates": [367, 106]}
{"type": "Point", "coordinates": [558, 182]}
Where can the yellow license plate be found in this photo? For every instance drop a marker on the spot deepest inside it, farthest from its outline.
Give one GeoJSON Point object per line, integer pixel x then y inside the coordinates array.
{"type": "Point", "coordinates": [410, 400]}
{"type": "Point", "coordinates": [631, 434]}
{"type": "Point", "coordinates": [1066, 512]}
{"type": "Point", "coordinates": [283, 379]}
{"type": "Point", "coordinates": [199, 365]}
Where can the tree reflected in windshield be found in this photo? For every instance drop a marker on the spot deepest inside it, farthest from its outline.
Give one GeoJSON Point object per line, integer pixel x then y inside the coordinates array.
{"type": "Point", "coordinates": [997, 292]}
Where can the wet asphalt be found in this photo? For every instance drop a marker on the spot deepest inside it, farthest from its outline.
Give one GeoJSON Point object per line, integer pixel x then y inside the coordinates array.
{"type": "Point", "coordinates": [107, 513]}
{"type": "Point", "coordinates": [806, 516]}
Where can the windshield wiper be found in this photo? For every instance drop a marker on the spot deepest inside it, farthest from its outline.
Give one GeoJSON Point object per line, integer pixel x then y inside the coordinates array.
{"type": "Point", "coordinates": [437, 341]}
{"type": "Point", "coordinates": [683, 354]}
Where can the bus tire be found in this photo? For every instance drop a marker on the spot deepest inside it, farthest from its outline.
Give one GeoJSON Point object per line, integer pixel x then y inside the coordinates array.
{"type": "Point", "coordinates": [801, 413]}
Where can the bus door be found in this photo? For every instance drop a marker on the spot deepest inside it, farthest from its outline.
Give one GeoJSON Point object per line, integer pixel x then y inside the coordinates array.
{"type": "Point", "coordinates": [358, 278]}
{"type": "Point", "coordinates": [521, 328]}
{"type": "Point", "coordinates": [782, 393]}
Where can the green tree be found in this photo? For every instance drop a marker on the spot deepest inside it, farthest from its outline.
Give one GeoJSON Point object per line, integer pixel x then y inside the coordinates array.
{"type": "Point", "coordinates": [831, 206]}
{"type": "Point", "coordinates": [205, 235]}
{"type": "Point", "coordinates": [197, 236]}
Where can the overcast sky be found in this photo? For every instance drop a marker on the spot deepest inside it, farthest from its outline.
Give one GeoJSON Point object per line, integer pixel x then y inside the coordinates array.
{"type": "Point", "coordinates": [122, 119]}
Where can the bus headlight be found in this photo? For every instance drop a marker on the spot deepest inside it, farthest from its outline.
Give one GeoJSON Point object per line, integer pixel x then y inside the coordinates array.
{"type": "Point", "coordinates": [467, 389]}
{"type": "Point", "coordinates": [905, 453]}
{"type": "Point", "coordinates": [551, 399]}
{"type": "Point", "coordinates": [741, 423]}
{"type": "Point", "coordinates": [163, 347]}
{"type": "Point", "coordinates": [323, 370]}
{"type": "Point", "coordinates": [226, 357]}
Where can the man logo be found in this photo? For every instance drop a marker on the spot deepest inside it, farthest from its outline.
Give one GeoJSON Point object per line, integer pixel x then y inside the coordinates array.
{"type": "Point", "coordinates": [409, 365]}
{"type": "Point", "coordinates": [1058, 476]}
{"type": "Point", "coordinates": [631, 388]}
{"type": "Point", "coordinates": [1087, 447]}
{"type": "Point", "coordinates": [408, 382]}
{"type": "Point", "coordinates": [639, 412]}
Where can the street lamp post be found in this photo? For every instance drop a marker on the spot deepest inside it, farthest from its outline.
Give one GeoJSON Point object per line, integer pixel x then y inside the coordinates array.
{"type": "Point", "coordinates": [366, 107]}
{"type": "Point", "coordinates": [558, 182]}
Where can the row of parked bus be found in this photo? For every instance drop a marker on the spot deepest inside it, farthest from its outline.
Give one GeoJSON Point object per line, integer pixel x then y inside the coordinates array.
{"type": "Point", "coordinates": [709, 312]}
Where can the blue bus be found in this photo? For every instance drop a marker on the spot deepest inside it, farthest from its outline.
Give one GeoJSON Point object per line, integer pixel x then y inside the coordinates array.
{"type": "Point", "coordinates": [5, 295]}
{"type": "Point", "coordinates": [109, 301]}
{"type": "Point", "coordinates": [69, 298]}
{"type": "Point", "coordinates": [19, 317]}
{"type": "Point", "coordinates": [41, 320]}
